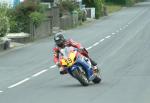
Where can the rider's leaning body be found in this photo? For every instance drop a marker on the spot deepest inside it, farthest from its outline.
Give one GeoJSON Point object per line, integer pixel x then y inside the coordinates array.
{"type": "Point", "coordinates": [61, 42]}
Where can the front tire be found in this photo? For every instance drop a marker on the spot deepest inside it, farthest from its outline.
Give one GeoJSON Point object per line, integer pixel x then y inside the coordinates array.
{"type": "Point", "coordinates": [81, 77]}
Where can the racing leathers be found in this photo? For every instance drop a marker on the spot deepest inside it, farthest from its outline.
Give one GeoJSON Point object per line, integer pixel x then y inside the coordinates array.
{"type": "Point", "coordinates": [70, 42]}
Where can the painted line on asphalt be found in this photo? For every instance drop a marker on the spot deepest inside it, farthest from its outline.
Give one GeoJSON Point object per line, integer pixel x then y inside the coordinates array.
{"type": "Point", "coordinates": [108, 36]}
{"type": "Point", "coordinates": [53, 66]}
{"type": "Point", "coordinates": [101, 40]}
{"type": "Point", "coordinates": [19, 83]}
{"type": "Point", "coordinates": [89, 48]}
{"type": "Point", "coordinates": [115, 33]}
{"type": "Point", "coordinates": [95, 44]}
{"type": "Point", "coordinates": [1, 91]}
{"type": "Point", "coordinates": [39, 73]}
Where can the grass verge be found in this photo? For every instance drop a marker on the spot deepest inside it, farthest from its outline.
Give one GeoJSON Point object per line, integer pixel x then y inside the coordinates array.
{"type": "Point", "coordinates": [113, 7]}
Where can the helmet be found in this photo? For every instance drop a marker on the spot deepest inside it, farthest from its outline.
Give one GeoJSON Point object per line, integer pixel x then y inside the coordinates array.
{"type": "Point", "coordinates": [59, 39]}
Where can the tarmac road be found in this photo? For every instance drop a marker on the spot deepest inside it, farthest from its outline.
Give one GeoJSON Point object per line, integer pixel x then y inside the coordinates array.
{"type": "Point", "coordinates": [119, 43]}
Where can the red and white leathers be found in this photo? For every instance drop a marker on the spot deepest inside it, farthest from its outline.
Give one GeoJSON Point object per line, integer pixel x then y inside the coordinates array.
{"type": "Point", "coordinates": [72, 43]}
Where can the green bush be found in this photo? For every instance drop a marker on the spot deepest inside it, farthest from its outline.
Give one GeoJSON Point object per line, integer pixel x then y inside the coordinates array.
{"type": "Point", "coordinates": [23, 14]}
{"type": "Point", "coordinates": [68, 6]}
{"type": "Point", "coordinates": [4, 25]}
{"type": "Point", "coordinates": [97, 4]}
{"type": "Point", "coordinates": [4, 22]}
{"type": "Point", "coordinates": [122, 2]}
{"type": "Point", "coordinates": [36, 18]}
{"type": "Point", "coordinates": [13, 21]}
{"type": "Point", "coordinates": [81, 15]}
{"type": "Point", "coordinates": [98, 8]}
{"type": "Point", "coordinates": [130, 2]}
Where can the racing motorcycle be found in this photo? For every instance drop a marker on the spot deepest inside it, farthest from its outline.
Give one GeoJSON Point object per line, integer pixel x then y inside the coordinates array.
{"type": "Point", "coordinates": [78, 66]}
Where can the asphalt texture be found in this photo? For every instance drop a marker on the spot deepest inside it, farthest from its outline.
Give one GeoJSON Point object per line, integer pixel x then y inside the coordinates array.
{"type": "Point", "coordinates": [120, 43]}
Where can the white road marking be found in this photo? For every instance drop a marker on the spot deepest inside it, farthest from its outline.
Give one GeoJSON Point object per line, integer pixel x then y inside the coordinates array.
{"type": "Point", "coordinates": [114, 33]}
{"type": "Point", "coordinates": [89, 48]}
{"type": "Point", "coordinates": [52, 66]}
{"type": "Point", "coordinates": [14, 85]}
{"type": "Point", "coordinates": [37, 74]}
{"type": "Point", "coordinates": [108, 36]}
{"type": "Point", "coordinates": [96, 44]}
{"type": "Point", "coordinates": [102, 40]}
{"type": "Point", "coordinates": [1, 91]}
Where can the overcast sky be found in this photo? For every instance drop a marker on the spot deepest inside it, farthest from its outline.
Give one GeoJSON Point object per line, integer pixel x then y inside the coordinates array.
{"type": "Point", "coordinates": [9, 1]}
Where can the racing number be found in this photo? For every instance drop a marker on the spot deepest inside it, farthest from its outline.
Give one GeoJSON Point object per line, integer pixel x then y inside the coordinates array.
{"type": "Point", "coordinates": [68, 61]}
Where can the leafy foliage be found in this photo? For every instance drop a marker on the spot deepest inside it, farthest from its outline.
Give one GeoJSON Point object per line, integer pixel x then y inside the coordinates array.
{"type": "Point", "coordinates": [23, 15]}
{"type": "Point", "coordinates": [68, 5]}
{"type": "Point", "coordinates": [36, 18]}
{"type": "Point", "coordinates": [98, 4]}
{"type": "Point", "coordinates": [4, 22]}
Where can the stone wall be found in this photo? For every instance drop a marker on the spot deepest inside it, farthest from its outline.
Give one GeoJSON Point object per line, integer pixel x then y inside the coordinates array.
{"type": "Point", "coordinates": [69, 21]}
{"type": "Point", "coordinates": [4, 43]}
{"type": "Point", "coordinates": [42, 31]}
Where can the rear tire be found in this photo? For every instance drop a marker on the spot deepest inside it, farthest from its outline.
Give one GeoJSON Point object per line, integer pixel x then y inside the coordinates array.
{"type": "Point", "coordinates": [81, 77]}
{"type": "Point", "coordinates": [97, 78]}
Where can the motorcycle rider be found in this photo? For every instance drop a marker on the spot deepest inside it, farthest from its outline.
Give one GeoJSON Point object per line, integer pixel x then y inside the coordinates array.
{"type": "Point", "coordinates": [61, 42]}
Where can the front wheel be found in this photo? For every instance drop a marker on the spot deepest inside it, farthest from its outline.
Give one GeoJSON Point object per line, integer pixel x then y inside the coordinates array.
{"type": "Point", "coordinates": [81, 77]}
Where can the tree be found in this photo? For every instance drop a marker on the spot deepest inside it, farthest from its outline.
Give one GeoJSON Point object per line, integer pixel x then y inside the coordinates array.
{"type": "Point", "coordinates": [97, 4]}
{"type": "Point", "coordinates": [25, 13]}
{"type": "Point", "coordinates": [4, 22]}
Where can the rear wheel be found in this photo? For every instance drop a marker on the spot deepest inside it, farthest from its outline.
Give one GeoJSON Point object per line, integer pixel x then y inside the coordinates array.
{"type": "Point", "coordinates": [97, 78]}
{"type": "Point", "coordinates": [81, 77]}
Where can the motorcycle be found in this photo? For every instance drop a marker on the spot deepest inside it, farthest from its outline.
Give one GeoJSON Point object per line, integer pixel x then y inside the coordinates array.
{"type": "Point", "coordinates": [78, 66]}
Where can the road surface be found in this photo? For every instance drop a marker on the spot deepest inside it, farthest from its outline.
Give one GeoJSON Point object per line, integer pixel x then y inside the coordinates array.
{"type": "Point", "coordinates": [120, 43]}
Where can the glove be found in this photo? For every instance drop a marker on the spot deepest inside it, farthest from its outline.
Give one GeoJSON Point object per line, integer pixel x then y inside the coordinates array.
{"type": "Point", "coordinates": [58, 64]}
{"type": "Point", "coordinates": [83, 51]}
{"type": "Point", "coordinates": [80, 49]}
{"type": "Point", "coordinates": [63, 72]}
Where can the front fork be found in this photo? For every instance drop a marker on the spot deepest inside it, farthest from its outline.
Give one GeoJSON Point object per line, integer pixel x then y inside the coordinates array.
{"type": "Point", "coordinates": [88, 71]}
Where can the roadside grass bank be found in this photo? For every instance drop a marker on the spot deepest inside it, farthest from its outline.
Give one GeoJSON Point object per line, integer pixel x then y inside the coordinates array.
{"type": "Point", "coordinates": [111, 7]}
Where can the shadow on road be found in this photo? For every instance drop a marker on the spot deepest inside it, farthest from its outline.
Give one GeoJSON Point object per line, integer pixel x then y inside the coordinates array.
{"type": "Point", "coordinates": [71, 85]}
{"type": "Point", "coordinates": [76, 85]}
